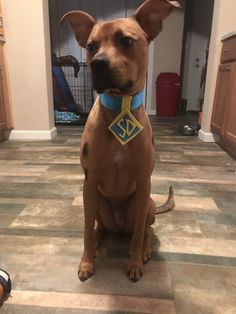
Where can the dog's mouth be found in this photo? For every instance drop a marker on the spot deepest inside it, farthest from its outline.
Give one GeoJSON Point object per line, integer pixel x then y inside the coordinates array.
{"type": "Point", "coordinates": [107, 82]}
{"type": "Point", "coordinates": [123, 89]}
{"type": "Point", "coordinates": [112, 87]}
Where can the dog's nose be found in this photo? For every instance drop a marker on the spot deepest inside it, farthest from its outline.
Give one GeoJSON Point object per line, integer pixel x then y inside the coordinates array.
{"type": "Point", "coordinates": [100, 63]}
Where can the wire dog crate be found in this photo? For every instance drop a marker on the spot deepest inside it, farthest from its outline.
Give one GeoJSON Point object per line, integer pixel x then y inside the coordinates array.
{"type": "Point", "coordinates": [80, 86]}
{"type": "Point", "coordinates": [72, 89]}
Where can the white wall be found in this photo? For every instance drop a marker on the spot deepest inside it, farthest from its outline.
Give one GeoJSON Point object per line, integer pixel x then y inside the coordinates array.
{"type": "Point", "coordinates": [168, 48]}
{"type": "Point", "coordinates": [224, 21]}
{"type": "Point", "coordinates": [27, 48]}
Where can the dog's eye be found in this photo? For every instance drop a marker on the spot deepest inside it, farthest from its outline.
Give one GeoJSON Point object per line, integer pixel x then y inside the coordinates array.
{"type": "Point", "coordinates": [92, 47]}
{"type": "Point", "coordinates": [126, 41]}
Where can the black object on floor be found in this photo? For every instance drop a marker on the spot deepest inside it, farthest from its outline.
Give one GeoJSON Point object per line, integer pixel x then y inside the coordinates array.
{"type": "Point", "coordinates": [5, 282]}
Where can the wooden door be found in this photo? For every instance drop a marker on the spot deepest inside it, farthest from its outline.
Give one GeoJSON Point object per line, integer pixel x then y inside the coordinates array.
{"type": "Point", "coordinates": [229, 125]}
{"type": "Point", "coordinates": [2, 113]}
{"type": "Point", "coordinates": [221, 98]}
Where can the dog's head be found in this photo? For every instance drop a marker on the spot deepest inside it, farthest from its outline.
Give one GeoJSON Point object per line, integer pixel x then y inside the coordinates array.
{"type": "Point", "coordinates": [117, 51]}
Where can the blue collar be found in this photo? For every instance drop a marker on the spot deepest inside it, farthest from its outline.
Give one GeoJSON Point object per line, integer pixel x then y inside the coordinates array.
{"type": "Point", "coordinates": [115, 102]}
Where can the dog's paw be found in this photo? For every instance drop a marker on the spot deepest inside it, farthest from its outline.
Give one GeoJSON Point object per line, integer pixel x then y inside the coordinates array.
{"type": "Point", "coordinates": [146, 254]}
{"type": "Point", "coordinates": [85, 271]}
{"type": "Point", "coordinates": [135, 271]}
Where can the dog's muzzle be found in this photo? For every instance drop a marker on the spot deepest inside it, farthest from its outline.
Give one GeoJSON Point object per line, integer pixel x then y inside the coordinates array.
{"type": "Point", "coordinates": [100, 64]}
{"type": "Point", "coordinates": [104, 78]}
{"type": "Point", "coordinates": [101, 74]}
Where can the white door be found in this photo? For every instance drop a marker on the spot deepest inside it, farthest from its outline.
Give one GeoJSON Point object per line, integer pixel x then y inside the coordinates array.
{"type": "Point", "coordinates": [198, 42]}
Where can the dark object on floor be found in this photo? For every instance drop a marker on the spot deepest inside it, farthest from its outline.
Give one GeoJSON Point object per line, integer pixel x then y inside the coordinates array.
{"type": "Point", "coordinates": [5, 285]}
{"type": "Point", "coordinates": [189, 130]}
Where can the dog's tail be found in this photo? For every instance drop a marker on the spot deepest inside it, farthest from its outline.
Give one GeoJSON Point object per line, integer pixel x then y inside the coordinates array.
{"type": "Point", "coordinates": [169, 204]}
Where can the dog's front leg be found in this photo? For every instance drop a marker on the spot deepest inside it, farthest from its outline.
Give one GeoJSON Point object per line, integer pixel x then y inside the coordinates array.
{"type": "Point", "coordinates": [86, 267]}
{"type": "Point", "coordinates": [140, 203]}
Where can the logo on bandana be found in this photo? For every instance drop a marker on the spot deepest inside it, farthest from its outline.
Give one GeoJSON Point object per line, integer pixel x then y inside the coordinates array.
{"type": "Point", "coordinates": [125, 127]}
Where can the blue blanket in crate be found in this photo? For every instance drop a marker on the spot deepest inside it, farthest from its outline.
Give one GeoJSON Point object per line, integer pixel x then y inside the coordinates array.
{"type": "Point", "coordinates": [65, 117]}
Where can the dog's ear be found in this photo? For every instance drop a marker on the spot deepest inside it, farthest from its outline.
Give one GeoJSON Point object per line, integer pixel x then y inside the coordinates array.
{"type": "Point", "coordinates": [151, 14]}
{"type": "Point", "coordinates": [81, 24]}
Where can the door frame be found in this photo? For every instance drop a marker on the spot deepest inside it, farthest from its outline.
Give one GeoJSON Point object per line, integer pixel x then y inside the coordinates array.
{"type": "Point", "coordinates": [187, 22]}
{"type": "Point", "coordinates": [149, 85]}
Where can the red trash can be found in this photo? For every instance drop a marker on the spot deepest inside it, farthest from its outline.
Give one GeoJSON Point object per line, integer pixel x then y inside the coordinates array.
{"type": "Point", "coordinates": [167, 94]}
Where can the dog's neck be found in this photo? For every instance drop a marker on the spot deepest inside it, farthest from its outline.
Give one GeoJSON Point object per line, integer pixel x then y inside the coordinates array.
{"type": "Point", "coordinates": [114, 103]}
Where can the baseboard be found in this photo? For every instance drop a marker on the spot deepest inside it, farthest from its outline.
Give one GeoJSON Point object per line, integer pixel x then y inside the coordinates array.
{"type": "Point", "coordinates": [32, 134]}
{"type": "Point", "coordinates": [207, 137]}
{"type": "Point", "coordinates": [152, 112]}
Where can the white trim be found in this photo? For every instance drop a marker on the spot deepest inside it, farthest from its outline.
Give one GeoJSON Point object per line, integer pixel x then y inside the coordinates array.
{"type": "Point", "coordinates": [33, 134]}
{"type": "Point", "coordinates": [150, 80]}
{"type": "Point", "coordinates": [152, 112]}
{"type": "Point", "coordinates": [207, 137]}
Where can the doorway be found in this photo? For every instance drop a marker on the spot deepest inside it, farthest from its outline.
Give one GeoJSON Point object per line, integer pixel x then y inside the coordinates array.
{"type": "Point", "coordinates": [197, 33]}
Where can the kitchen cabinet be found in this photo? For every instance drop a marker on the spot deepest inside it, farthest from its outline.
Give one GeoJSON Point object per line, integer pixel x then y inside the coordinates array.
{"type": "Point", "coordinates": [224, 109]}
{"type": "Point", "coordinates": [5, 115]}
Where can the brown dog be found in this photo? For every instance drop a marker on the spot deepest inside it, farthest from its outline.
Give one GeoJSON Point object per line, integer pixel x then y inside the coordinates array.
{"type": "Point", "coordinates": [117, 177]}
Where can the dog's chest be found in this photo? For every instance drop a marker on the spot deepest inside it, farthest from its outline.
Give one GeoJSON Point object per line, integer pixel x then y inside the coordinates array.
{"type": "Point", "coordinates": [116, 176]}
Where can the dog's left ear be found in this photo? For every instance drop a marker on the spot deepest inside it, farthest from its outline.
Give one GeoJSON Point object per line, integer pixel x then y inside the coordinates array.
{"type": "Point", "coordinates": [81, 24]}
{"type": "Point", "coordinates": [151, 14]}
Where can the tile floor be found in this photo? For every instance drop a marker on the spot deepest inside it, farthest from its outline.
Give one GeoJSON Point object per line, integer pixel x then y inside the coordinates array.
{"type": "Point", "coordinates": [41, 231]}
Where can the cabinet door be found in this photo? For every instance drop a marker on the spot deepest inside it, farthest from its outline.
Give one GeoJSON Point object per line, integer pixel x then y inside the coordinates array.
{"type": "Point", "coordinates": [221, 98]}
{"type": "Point", "coordinates": [5, 109]}
{"type": "Point", "coordinates": [229, 125]}
{"type": "Point", "coordinates": [2, 112]}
